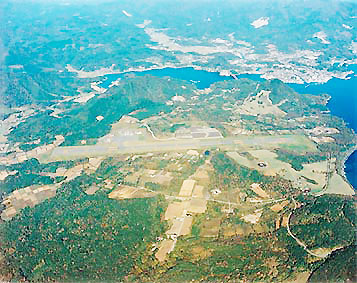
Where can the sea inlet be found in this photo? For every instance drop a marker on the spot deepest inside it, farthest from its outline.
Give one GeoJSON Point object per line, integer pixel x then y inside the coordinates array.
{"type": "Point", "coordinates": [343, 102]}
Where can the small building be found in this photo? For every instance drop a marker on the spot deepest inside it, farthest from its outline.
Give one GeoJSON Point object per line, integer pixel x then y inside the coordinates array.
{"type": "Point", "coordinates": [262, 164]}
{"type": "Point", "coordinates": [216, 192]}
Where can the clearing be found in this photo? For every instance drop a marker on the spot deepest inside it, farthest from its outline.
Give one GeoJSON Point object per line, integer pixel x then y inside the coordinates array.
{"type": "Point", "coordinates": [127, 192]}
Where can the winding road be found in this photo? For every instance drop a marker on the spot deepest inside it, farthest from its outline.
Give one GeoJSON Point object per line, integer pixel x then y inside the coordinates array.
{"type": "Point", "coordinates": [298, 241]}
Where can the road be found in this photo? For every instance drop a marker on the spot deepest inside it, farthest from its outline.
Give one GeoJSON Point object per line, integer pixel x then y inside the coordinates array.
{"type": "Point", "coordinates": [298, 241]}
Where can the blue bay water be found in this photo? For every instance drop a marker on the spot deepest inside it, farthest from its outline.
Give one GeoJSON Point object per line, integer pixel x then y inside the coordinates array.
{"type": "Point", "coordinates": [351, 169]}
{"type": "Point", "coordinates": [202, 79]}
{"type": "Point", "coordinates": [343, 102]}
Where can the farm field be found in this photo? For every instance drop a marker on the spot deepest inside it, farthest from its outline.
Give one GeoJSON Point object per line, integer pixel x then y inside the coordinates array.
{"type": "Point", "coordinates": [139, 171]}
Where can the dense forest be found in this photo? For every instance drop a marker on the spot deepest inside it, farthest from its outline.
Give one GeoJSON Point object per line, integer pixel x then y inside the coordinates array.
{"type": "Point", "coordinates": [297, 160]}
{"type": "Point", "coordinates": [228, 174]}
{"type": "Point", "coordinates": [339, 267]}
{"type": "Point", "coordinates": [75, 236]}
{"type": "Point", "coordinates": [326, 222]}
{"type": "Point", "coordinates": [79, 121]}
{"type": "Point", "coordinates": [29, 173]}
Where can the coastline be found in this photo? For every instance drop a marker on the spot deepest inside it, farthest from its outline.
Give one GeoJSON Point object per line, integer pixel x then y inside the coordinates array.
{"type": "Point", "coordinates": [111, 71]}
{"type": "Point", "coordinates": [222, 72]}
{"type": "Point", "coordinates": [342, 165]}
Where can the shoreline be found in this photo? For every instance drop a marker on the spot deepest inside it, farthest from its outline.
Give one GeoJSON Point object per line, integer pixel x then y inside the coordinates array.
{"type": "Point", "coordinates": [111, 71]}
{"type": "Point", "coordinates": [222, 72]}
{"type": "Point", "coordinates": [342, 164]}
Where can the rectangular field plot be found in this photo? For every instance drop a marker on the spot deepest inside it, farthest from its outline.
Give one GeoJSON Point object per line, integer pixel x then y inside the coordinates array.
{"type": "Point", "coordinates": [187, 188]}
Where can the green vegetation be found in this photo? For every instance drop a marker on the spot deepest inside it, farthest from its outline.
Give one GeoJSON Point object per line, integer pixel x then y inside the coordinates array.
{"type": "Point", "coordinates": [76, 237]}
{"type": "Point", "coordinates": [174, 127]}
{"type": "Point", "coordinates": [33, 85]}
{"type": "Point", "coordinates": [311, 181]}
{"type": "Point", "coordinates": [110, 169]}
{"type": "Point", "coordinates": [252, 258]}
{"type": "Point", "coordinates": [267, 257]}
{"type": "Point", "coordinates": [297, 160]}
{"type": "Point", "coordinates": [296, 104]}
{"type": "Point", "coordinates": [29, 173]}
{"type": "Point", "coordinates": [152, 186]}
{"type": "Point", "coordinates": [340, 266]}
{"type": "Point", "coordinates": [325, 222]}
{"type": "Point", "coordinates": [246, 86]}
{"type": "Point", "coordinates": [22, 180]}
{"type": "Point", "coordinates": [296, 253]}
{"type": "Point", "coordinates": [231, 175]}
{"type": "Point", "coordinates": [33, 165]}
{"type": "Point", "coordinates": [146, 93]}
{"type": "Point", "coordinates": [344, 140]}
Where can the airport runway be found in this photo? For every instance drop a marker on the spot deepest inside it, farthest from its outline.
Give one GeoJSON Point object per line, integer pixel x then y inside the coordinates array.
{"type": "Point", "coordinates": [143, 146]}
